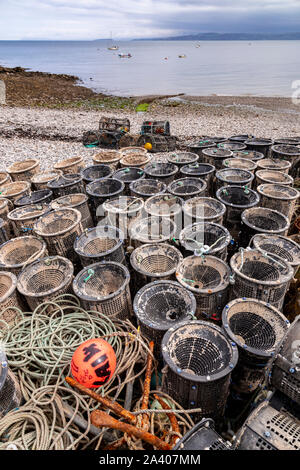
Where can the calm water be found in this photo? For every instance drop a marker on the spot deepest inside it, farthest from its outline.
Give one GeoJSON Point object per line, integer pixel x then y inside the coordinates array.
{"type": "Point", "coordinates": [264, 68]}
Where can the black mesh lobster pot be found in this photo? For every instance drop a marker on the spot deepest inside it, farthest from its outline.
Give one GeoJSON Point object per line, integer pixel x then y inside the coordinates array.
{"type": "Point", "coordinates": [205, 171]}
{"type": "Point", "coordinates": [216, 156]}
{"type": "Point", "coordinates": [96, 172]}
{"type": "Point", "coordinates": [40, 180]}
{"type": "Point", "coordinates": [199, 147]}
{"type": "Point", "coordinates": [208, 280]}
{"type": "Point", "coordinates": [269, 429]}
{"type": "Point", "coordinates": [283, 247]}
{"type": "Point", "coordinates": [166, 206]}
{"type": "Point", "coordinates": [241, 163]}
{"type": "Point", "coordinates": [214, 138]}
{"type": "Point", "coordinates": [75, 201]}
{"type": "Point", "coordinates": [24, 218]}
{"type": "Point", "coordinates": [259, 144]}
{"type": "Point", "coordinates": [241, 138]}
{"type": "Point", "coordinates": [101, 243]}
{"type": "Point", "coordinates": [108, 157]}
{"type": "Point", "coordinates": [236, 199]}
{"type": "Point", "coordinates": [128, 175]}
{"type": "Point", "coordinates": [158, 143]}
{"type": "Point", "coordinates": [152, 230]}
{"type": "Point", "coordinates": [233, 176]}
{"type": "Point", "coordinates": [10, 391]}
{"type": "Point", "coordinates": [187, 187]}
{"type": "Point", "coordinates": [43, 196]}
{"type": "Point", "coordinates": [274, 165]}
{"type": "Point", "coordinates": [181, 159]}
{"type": "Point", "coordinates": [232, 146]}
{"type": "Point", "coordinates": [156, 127]}
{"type": "Point", "coordinates": [252, 155]}
{"type": "Point", "coordinates": [114, 124]}
{"type": "Point", "coordinates": [159, 306]}
{"type": "Point", "coordinates": [273, 177]}
{"type": "Point", "coordinates": [287, 141]}
{"type": "Point", "coordinates": [260, 276]}
{"type": "Point", "coordinates": [200, 360]}
{"type": "Point", "coordinates": [262, 220]}
{"type": "Point", "coordinates": [4, 234]}
{"type": "Point", "coordinates": [66, 184]}
{"type": "Point", "coordinates": [205, 238]}
{"type": "Point", "coordinates": [257, 328]}
{"type": "Point", "coordinates": [289, 153]}
{"type": "Point", "coordinates": [146, 188]}
{"type": "Point", "coordinates": [123, 212]}
{"type": "Point", "coordinates": [100, 191]}
{"type": "Point", "coordinates": [17, 253]}
{"type": "Point", "coordinates": [9, 300]}
{"type": "Point", "coordinates": [161, 171]}
{"type": "Point", "coordinates": [203, 209]}
{"type": "Point", "coordinates": [279, 197]}
{"type": "Point", "coordinates": [202, 437]}
{"type": "Point", "coordinates": [104, 287]}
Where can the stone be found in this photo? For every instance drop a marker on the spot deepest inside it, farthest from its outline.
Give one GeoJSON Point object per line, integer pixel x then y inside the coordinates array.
{"type": "Point", "coordinates": [2, 92]}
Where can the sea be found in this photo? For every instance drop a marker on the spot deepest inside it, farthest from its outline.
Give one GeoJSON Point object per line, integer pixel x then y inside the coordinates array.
{"type": "Point", "coordinates": [256, 68]}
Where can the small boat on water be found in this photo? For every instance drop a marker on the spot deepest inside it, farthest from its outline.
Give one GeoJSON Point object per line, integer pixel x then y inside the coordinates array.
{"type": "Point", "coordinates": [124, 56]}
{"type": "Point", "coordinates": [113, 48]}
{"type": "Point", "coordinates": [182, 56]}
{"type": "Point", "coordinates": [198, 45]}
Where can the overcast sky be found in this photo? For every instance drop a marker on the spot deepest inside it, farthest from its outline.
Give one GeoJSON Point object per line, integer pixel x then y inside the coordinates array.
{"type": "Point", "coordinates": [92, 19]}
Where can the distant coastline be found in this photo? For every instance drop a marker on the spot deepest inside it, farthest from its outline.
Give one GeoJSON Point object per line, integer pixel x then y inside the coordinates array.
{"type": "Point", "coordinates": [230, 37]}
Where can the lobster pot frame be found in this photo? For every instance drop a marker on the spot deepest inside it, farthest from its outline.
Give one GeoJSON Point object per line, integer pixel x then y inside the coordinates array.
{"type": "Point", "coordinates": [67, 184]}
{"type": "Point", "coordinates": [269, 429]}
{"type": "Point", "coordinates": [205, 171]}
{"type": "Point", "coordinates": [161, 171]}
{"type": "Point", "coordinates": [284, 376]}
{"type": "Point", "coordinates": [36, 197]}
{"type": "Point", "coordinates": [135, 160]}
{"type": "Point", "coordinates": [262, 220]}
{"type": "Point", "coordinates": [15, 190]}
{"type": "Point", "coordinates": [128, 175]}
{"type": "Point", "coordinates": [200, 360]}
{"type": "Point", "coordinates": [4, 178]}
{"type": "Point", "coordinates": [6, 206]}
{"type": "Point", "coordinates": [259, 145]}
{"type": "Point", "coordinates": [114, 124]}
{"type": "Point", "coordinates": [187, 187]}
{"type": "Point", "coordinates": [45, 280]}
{"type": "Point", "coordinates": [233, 176]}
{"type": "Point", "coordinates": [10, 390]}
{"type": "Point", "coordinates": [216, 156]}
{"type": "Point", "coordinates": [100, 191]}
{"type": "Point", "coordinates": [241, 138]}
{"type": "Point", "coordinates": [9, 301]}
{"type": "Point", "coordinates": [283, 247]}
{"type": "Point", "coordinates": [257, 328]}
{"type": "Point", "coordinates": [40, 180]}
{"type": "Point", "coordinates": [101, 243]}
{"type": "Point", "coordinates": [199, 147]}
{"type": "Point", "coordinates": [181, 159]}
{"type": "Point", "coordinates": [59, 229]}
{"type": "Point", "coordinates": [208, 280]}
{"type": "Point", "coordinates": [260, 276]}
{"type": "Point", "coordinates": [240, 163]}
{"type": "Point", "coordinates": [159, 143]}
{"type": "Point", "coordinates": [274, 165]}
{"type": "Point", "coordinates": [159, 306]}
{"type": "Point", "coordinates": [76, 201]}
{"type": "Point", "coordinates": [146, 188]}
{"type": "Point", "coordinates": [156, 127]}
{"type": "Point", "coordinates": [70, 166]}
{"type": "Point", "coordinates": [152, 230]}
{"type": "Point", "coordinates": [205, 237]}
{"type": "Point", "coordinates": [104, 287]}
{"type": "Point", "coordinates": [108, 157]}
{"type": "Point", "coordinates": [203, 209]}
{"type": "Point", "coordinates": [96, 172]}
{"type": "Point", "coordinates": [289, 153]}
{"type": "Point", "coordinates": [24, 170]}
{"type": "Point", "coordinates": [122, 212]}
{"type": "Point", "coordinates": [273, 177]}
{"type": "Point", "coordinates": [17, 253]}
{"type": "Point", "coordinates": [202, 437]}
{"type": "Point", "coordinates": [236, 199]}
{"type": "Point", "coordinates": [232, 146]}
{"type": "Point", "coordinates": [24, 218]}
{"type": "Point", "coordinates": [252, 155]}
{"type": "Point", "coordinates": [279, 197]}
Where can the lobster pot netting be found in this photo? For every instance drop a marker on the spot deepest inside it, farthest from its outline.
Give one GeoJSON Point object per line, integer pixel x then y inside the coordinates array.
{"type": "Point", "coordinates": [66, 184]}
{"type": "Point", "coordinates": [43, 196]}
{"type": "Point", "coordinates": [291, 153]}
{"type": "Point", "coordinates": [128, 175]}
{"type": "Point", "coordinates": [122, 212]}
{"type": "Point", "coordinates": [262, 220]}
{"type": "Point", "coordinates": [40, 180]}
{"type": "Point", "coordinates": [104, 287]}
{"type": "Point", "coordinates": [75, 201]}
{"type": "Point", "coordinates": [70, 165]}
{"type": "Point", "coordinates": [146, 188]}
{"type": "Point", "coordinates": [271, 177]}
{"type": "Point", "coordinates": [205, 237]}
{"type": "Point", "coordinates": [114, 124]}
{"type": "Point", "coordinates": [188, 187]}
{"type": "Point", "coordinates": [202, 437]}
{"type": "Point", "coordinates": [241, 163]}
{"type": "Point", "coordinates": [25, 170]}
{"type": "Point", "coordinates": [279, 197]}
{"type": "Point", "coordinates": [208, 280]}
{"type": "Point", "coordinates": [135, 160]}
{"type": "Point", "coordinates": [274, 165]}
{"type": "Point", "coordinates": [17, 253]}
{"type": "Point", "coordinates": [283, 247]}
{"type": "Point", "coordinates": [124, 151]}
{"type": "Point", "coordinates": [24, 218]}
{"type": "Point", "coordinates": [233, 176]}
{"type": "Point", "coordinates": [5, 207]}
{"type": "Point", "coordinates": [152, 230]}
{"type": "Point", "coordinates": [259, 144]}
{"type": "Point", "coordinates": [205, 171]}
{"type": "Point", "coordinates": [15, 190]}
{"type": "Point", "coordinates": [200, 360]}
{"type": "Point", "coordinates": [183, 158]}
{"type": "Point", "coordinates": [96, 172]}
{"type": "Point", "coordinates": [203, 209]}
{"type": "Point", "coordinates": [9, 300]}
{"type": "Point", "coordinates": [161, 171]}
{"type": "Point", "coordinates": [108, 157]}
{"type": "Point", "coordinates": [216, 156]}
{"type": "Point", "coordinates": [100, 191]}
{"type": "Point", "coordinates": [10, 391]}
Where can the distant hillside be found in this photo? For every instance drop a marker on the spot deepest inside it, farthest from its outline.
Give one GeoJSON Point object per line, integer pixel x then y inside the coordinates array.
{"type": "Point", "coordinates": [230, 37]}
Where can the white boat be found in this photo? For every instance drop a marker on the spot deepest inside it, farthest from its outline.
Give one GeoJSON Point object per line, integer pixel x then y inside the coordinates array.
{"type": "Point", "coordinates": [112, 47]}
{"type": "Point", "coordinates": [124, 56]}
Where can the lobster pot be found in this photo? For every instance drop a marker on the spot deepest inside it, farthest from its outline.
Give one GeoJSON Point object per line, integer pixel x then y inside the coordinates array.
{"type": "Point", "coordinates": [289, 153]}
{"type": "Point", "coordinates": [215, 139]}
{"type": "Point", "coordinates": [101, 243]}
{"type": "Point", "coordinates": [199, 147]}
{"type": "Point", "coordinates": [70, 166]}
{"type": "Point", "coordinates": [262, 220]}
{"type": "Point", "coordinates": [233, 176]}
{"type": "Point", "coordinates": [161, 171]}
{"type": "Point", "coordinates": [273, 177]}
{"type": "Point", "coordinates": [124, 151]}
{"type": "Point", "coordinates": [236, 199]}
{"type": "Point", "coordinates": [241, 138]}
{"type": "Point", "coordinates": [114, 124]}
{"type": "Point", "coordinates": [203, 209]}
{"type": "Point", "coordinates": [4, 236]}
{"type": "Point", "coordinates": [285, 375]}
{"type": "Point", "coordinates": [135, 160]}
{"type": "Point", "coordinates": [67, 184]}
{"type": "Point", "coordinates": [279, 197]}
{"type": "Point", "coordinates": [166, 206]}
{"type": "Point", "coordinates": [156, 127]}
{"type": "Point", "coordinates": [205, 171]}
{"type": "Point", "coordinates": [205, 237]}
{"type": "Point", "coordinates": [283, 247]}
{"type": "Point", "coordinates": [15, 190]}
{"type": "Point", "coordinates": [269, 429]}
{"type": "Point", "coordinates": [232, 146]}
{"type": "Point", "coordinates": [146, 188]}
{"type": "Point", "coordinates": [36, 197]}
{"type": "Point", "coordinates": [157, 143]}
{"type": "Point", "coordinates": [257, 328]}
{"type": "Point", "coordinates": [252, 155]}
{"type": "Point", "coordinates": [96, 172]}
{"type": "Point", "coordinates": [200, 360]}
{"type": "Point", "coordinates": [6, 206]}
{"type": "Point", "coordinates": [104, 287]}
{"type": "Point", "coordinates": [260, 276]}
{"type": "Point", "coordinates": [40, 180]}
{"type": "Point", "coordinates": [240, 163]}
{"type": "Point", "coordinates": [100, 191]}
{"type": "Point", "coordinates": [17, 253]}
{"type": "Point", "coordinates": [122, 212]}
{"type": "Point", "coordinates": [24, 218]}
{"type": "Point", "coordinates": [75, 201]}
{"type": "Point", "coordinates": [159, 306]}
{"type": "Point", "coordinates": [287, 141]}
{"type": "Point", "coordinates": [208, 280]}
{"type": "Point", "coordinates": [91, 139]}
{"type": "Point", "coordinates": [9, 301]}
{"type": "Point", "coordinates": [181, 159]}
{"type": "Point", "coordinates": [260, 145]}
{"type": "Point", "coordinates": [10, 390]}
{"type": "Point", "coordinates": [127, 176]}
{"type": "Point", "coordinates": [45, 280]}
{"type": "Point", "coordinates": [4, 178]}
{"type": "Point", "coordinates": [152, 230]}
{"type": "Point", "coordinates": [187, 187]}
{"type": "Point", "coordinates": [59, 229]}
{"type": "Point", "coordinates": [25, 170]}
{"type": "Point", "coordinates": [108, 157]}
{"type": "Point", "coordinates": [271, 164]}
{"type": "Point", "coordinates": [216, 156]}
{"type": "Point", "coordinates": [202, 437]}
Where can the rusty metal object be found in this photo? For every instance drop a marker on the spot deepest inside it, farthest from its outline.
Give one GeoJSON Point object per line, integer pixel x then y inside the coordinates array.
{"type": "Point", "coordinates": [172, 418]}
{"type": "Point", "coordinates": [146, 392]}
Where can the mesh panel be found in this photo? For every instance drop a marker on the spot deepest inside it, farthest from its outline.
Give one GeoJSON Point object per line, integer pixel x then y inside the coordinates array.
{"type": "Point", "coordinates": [279, 197]}
{"type": "Point", "coordinates": [76, 201]}
{"type": "Point", "coordinates": [66, 184]}
{"type": "Point", "coordinates": [283, 247]}
{"type": "Point", "coordinates": [8, 299]}
{"type": "Point", "coordinates": [165, 205]}
{"type": "Point", "coordinates": [241, 163]}
{"type": "Point", "coordinates": [269, 176]}
{"type": "Point", "coordinates": [263, 220]}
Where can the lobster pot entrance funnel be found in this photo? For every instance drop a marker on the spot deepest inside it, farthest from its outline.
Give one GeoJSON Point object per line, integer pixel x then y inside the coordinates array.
{"type": "Point", "coordinates": [17, 253]}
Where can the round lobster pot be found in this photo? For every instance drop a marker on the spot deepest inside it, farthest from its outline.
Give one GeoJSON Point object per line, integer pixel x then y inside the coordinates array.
{"type": "Point", "coordinates": [15, 190]}
{"type": "Point", "coordinates": [262, 220]}
{"type": "Point", "coordinates": [122, 212]}
{"type": "Point", "coordinates": [216, 156]}
{"type": "Point", "coordinates": [96, 172]}
{"type": "Point", "coordinates": [287, 141]}
{"type": "Point", "coordinates": [101, 243]}
{"type": "Point", "coordinates": [269, 429]}
{"type": "Point", "coordinates": [70, 165]}
{"type": "Point", "coordinates": [4, 236]}
{"type": "Point", "coordinates": [128, 175]}
{"type": "Point", "coordinates": [36, 197]}
{"type": "Point", "coordinates": [17, 253]}
{"type": "Point", "coordinates": [273, 177]}
{"type": "Point", "coordinates": [161, 171]}
{"type": "Point", "coordinates": [146, 188]}
{"type": "Point", "coordinates": [108, 157]}
{"type": "Point", "coordinates": [289, 153]}
{"type": "Point", "coordinates": [10, 391]}
{"type": "Point", "coordinates": [159, 306]}
{"type": "Point", "coordinates": [164, 205]}
{"type": "Point", "coordinates": [24, 218]}
{"type": "Point", "coordinates": [285, 373]}
{"type": "Point", "coordinates": [4, 178]}
{"type": "Point", "coordinates": [236, 199]}
{"type": "Point", "coordinates": [252, 155]}
{"type": "Point", "coordinates": [203, 209]}
{"type": "Point", "coordinates": [181, 159]}
{"type": "Point", "coordinates": [124, 151]}
{"type": "Point", "coordinates": [233, 176]}
{"type": "Point", "coordinates": [279, 197]}
{"type": "Point", "coordinates": [241, 163]}
{"type": "Point", "coordinates": [232, 146]}
{"type": "Point", "coordinates": [205, 237]}
{"type": "Point", "coordinates": [208, 280]}
{"type": "Point", "coordinates": [259, 145]}
{"type": "Point", "coordinates": [260, 276]}
{"type": "Point", "coordinates": [215, 139]}
{"type": "Point", "coordinates": [45, 280]}
{"type": "Point", "coordinates": [187, 187]}
{"type": "Point", "coordinates": [199, 147]}
{"type": "Point", "coordinates": [241, 138]}
{"type": "Point", "coordinates": [66, 184]}
{"type": "Point", "coordinates": [283, 247]}
{"type": "Point", "coordinates": [6, 206]}
{"type": "Point", "coordinates": [25, 170]}
{"type": "Point", "coordinates": [114, 124]}
{"type": "Point", "coordinates": [40, 180]}
{"type": "Point", "coordinates": [102, 190]}
{"type": "Point", "coordinates": [257, 328]}
{"type": "Point", "coordinates": [59, 229]}
{"type": "Point", "coordinates": [75, 201]}
{"type": "Point", "coordinates": [136, 160]}
{"type": "Point", "coordinates": [202, 437]}
{"type": "Point", "coordinates": [200, 360]}
{"type": "Point", "coordinates": [152, 230]}
{"type": "Point", "coordinates": [274, 165]}
{"type": "Point", "coordinates": [104, 287]}
{"type": "Point", "coordinates": [205, 171]}
{"type": "Point", "coordinates": [9, 301]}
